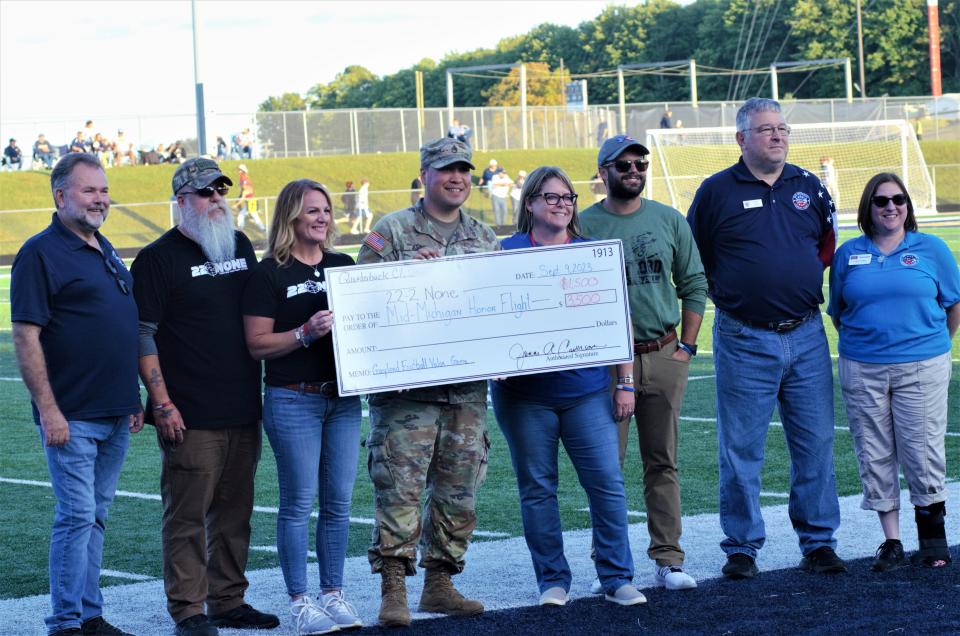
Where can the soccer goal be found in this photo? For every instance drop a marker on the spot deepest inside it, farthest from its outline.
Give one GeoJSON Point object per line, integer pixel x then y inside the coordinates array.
{"type": "Point", "coordinates": [843, 155]}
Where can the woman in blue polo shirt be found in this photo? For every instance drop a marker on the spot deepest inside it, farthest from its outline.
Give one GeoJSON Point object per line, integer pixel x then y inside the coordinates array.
{"type": "Point", "coordinates": [895, 300]}
{"type": "Point", "coordinates": [537, 412]}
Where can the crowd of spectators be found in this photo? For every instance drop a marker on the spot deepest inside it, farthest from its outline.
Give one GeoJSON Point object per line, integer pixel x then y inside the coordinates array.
{"type": "Point", "coordinates": [120, 150]}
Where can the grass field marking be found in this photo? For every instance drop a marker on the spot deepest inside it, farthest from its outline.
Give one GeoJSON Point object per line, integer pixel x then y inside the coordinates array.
{"type": "Point", "coordinates": [117, 574]}
{"type": "Point", "coordinates": [700, 377]}
{"type": "Point", "coordinates": [630, 513]}
{"type": "Point", "coordinates": [780, 425]}
{"type": "Point", "coordinates": [778, 495]}
{"type": "Point", "coordinates": [272, 549]}
{"type": "Point", "coordinates": [363, 521]}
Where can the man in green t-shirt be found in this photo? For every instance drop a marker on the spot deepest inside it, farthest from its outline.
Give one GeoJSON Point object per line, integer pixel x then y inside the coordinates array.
{"type": "Point", "coordinates": [662, 265]}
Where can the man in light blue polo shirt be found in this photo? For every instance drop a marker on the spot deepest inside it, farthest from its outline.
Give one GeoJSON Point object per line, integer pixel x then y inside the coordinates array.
{"type": "Point", "coordinates": [75, 336]}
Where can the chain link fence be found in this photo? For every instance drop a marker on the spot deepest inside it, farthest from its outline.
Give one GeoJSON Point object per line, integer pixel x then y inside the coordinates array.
{"type": "Point", "coordinates": [334, 132]}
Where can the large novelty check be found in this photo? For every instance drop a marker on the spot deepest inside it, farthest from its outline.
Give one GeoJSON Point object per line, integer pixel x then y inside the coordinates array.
{"type": "Point", "coordinates": [406, 324]}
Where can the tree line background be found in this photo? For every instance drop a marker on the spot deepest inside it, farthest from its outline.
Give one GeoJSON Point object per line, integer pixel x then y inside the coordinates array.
{"type": "Point", "coordinates": [727, 34]}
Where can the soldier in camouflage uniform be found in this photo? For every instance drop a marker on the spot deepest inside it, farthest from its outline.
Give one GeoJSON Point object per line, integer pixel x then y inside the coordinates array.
{"type": "Point", "coordinates": [432, 437]}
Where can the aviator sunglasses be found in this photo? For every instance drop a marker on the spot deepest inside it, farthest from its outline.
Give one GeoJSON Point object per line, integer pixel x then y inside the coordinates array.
{"type": "Point", "coordinates": [122, 284]}
{"type": "Point", "coordinates": [881, 201]}
{"type": "Point", "coordinates": [207, 192]}
{"type": "Point", "coordinates": [623, 165]}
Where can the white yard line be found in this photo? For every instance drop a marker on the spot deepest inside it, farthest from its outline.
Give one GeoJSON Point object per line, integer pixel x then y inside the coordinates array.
{"type": "Point", "coordinates": [778, 495]}
{"type": "Point", "coordinates": [273, 549]}
{"type": "Point", "coordinates": [363, 521]}
{"type": "Point", "coordinates": [630, 513]}
{"type": "Point", "coordinates": [117, 574]}
{"type": "Point", "coordinates": [780, 425]}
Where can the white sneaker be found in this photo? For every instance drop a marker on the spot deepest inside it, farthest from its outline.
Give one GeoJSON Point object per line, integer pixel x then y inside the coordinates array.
{"type": "Point", "coordinates": [673, 577]}
{"type": "Point", "coordinates": [342, 613]}
{"type": "Point", "coordinates": [626, 594]}
{"type": "Point", "coordinates": [554, 596]}
{"type": "Point", "coordinates": [595, 587]}
{"type": "Point", "coordinates": [309, 619]}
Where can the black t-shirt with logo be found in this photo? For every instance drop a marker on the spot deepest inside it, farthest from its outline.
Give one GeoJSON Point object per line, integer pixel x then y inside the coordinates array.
{"type": "Point", "coordinates": [211, 378]}
{"type": "Point", "coordinates": [290, 294]}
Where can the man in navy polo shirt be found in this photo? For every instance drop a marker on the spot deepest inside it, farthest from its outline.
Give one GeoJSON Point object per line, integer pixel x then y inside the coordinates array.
{"type": "Point", "coordinates": [75, 336]}
{"type": "Point", "coordinates": [766, 232]}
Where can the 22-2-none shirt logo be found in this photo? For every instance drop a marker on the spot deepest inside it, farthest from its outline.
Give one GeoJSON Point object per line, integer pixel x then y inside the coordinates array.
{"type": "Point", "coordinates": [801, 200]}
{"type": "Point", "coordinates": [307, 287]}
{"type": "Point", "coordinates": [215, 269]}
{"type": "Point", "coordinates": [909, 260]}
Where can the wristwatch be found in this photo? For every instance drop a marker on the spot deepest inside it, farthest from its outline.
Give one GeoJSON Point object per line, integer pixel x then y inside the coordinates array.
{"type": "Point", "coordinates": [691, 349]}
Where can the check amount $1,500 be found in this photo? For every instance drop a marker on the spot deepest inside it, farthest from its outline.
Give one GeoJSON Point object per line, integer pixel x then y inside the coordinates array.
{"type": "Point", "coordinates": [421, 323]}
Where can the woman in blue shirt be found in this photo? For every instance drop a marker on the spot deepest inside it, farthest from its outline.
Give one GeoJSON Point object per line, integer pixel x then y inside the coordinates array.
{"type": "Point", "coordinates": [537, 412]}
{"type": "Point", "coordinates": [895, 301]}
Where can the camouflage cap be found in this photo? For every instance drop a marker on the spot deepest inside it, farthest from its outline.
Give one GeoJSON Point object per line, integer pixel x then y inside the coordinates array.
{"type": "Point", "coordinates": [198, 173]}
{"type": "Point", "coordinates": [444, 152]}
{"type": "Point", "coordinates": [615, 146]}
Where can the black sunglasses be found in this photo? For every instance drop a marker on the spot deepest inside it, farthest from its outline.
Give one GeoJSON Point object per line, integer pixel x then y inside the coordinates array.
{"type": "Point", "coordinates": [122, 284]}
{"type": "Point", "coordinates": [207, 192]}
{"type": "Point", "coordinates": [623, 165]}
{"type": "Point", "coordinates": [881, 201]}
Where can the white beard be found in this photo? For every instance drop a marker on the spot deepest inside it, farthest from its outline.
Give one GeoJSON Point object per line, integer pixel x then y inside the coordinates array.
{"type": "Point", "coordinates": [215, 236]}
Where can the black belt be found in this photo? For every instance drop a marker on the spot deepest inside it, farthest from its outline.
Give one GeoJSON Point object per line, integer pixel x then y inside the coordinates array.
{"type": "Point", "coordinates": [779, 326]}
{"type": "Point", "coordinates": [326, 389]}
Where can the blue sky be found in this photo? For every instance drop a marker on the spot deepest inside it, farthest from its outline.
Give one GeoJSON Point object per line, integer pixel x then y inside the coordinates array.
{"type": "Point", "coordinates": [74, 60]}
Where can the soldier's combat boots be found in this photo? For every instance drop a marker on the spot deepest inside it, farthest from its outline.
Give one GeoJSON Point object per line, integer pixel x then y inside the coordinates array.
{"type": "Point", "coordinates": [393, 594]}
{"type": "Point", "coordinates": [441, 597]}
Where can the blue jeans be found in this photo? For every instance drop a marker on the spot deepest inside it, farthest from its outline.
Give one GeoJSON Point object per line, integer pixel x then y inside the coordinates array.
{"type": "Point", "coordinates": [757, 369]}
{"type": "Point", "coordinates": [316, 441]}
{"type": "Point", "coordinates": [84, 473]}
{"type": "Point", "coordinates": [589, 435]}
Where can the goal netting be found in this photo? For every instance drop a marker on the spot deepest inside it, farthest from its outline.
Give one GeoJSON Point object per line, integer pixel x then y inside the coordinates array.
{"type": "Point", "coordinates": [844, 155]}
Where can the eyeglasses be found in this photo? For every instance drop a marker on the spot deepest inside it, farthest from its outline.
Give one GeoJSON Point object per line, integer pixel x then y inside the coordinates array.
{"type": "Point", "coordinates": [881, 201]}
{"type": "Point", "coordinates": [552, 198]}
{"type": "Point", "coordinates": [122, 284]}
{"type": "Point", "coordinates": [207, 192]}
{"type": "Point", "coordinates": [623, 165]}
{"type": "Point", "coordinates": [767, 131]}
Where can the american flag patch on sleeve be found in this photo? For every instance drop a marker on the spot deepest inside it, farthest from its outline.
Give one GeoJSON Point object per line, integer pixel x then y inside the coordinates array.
{"type": "Point", "coordinates": [375, 242]}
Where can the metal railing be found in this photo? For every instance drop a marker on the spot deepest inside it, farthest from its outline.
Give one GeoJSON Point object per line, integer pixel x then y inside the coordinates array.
{"type": "Point", "coordinates": [134, 225]}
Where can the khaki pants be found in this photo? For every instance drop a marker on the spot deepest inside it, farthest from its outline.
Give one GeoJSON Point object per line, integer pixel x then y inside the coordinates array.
{"type": "Point", "coordinates": [897, 414]}
{"type": "Point", "coordinates": [660, 382]}
{"type": "Point", "coordinates": [435, 446]}
{"type": "Point", "coordinates": [206, 485]}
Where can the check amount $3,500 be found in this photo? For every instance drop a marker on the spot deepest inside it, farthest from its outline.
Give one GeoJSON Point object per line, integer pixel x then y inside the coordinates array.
{"type": "Point", "coordinates": [421, 323]}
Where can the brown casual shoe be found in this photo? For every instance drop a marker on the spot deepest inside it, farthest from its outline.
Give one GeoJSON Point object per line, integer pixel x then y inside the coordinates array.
{"type": "Point", "coordinates": [439, 596]}
{"type": "Point", "coordinates": [393, 594]}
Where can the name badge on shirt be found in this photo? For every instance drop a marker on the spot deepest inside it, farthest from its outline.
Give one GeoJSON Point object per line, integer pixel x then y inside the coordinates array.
{"type": "Point", "coordinates": [753, 203]}
{"type": "Point", "coordinates": [860, 259]}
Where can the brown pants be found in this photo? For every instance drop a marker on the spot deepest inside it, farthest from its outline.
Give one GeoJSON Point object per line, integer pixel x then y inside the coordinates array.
{"type": "Point", "coordinates": [206, 485]}
{"type": "Point", "coordinates": [660, 382]}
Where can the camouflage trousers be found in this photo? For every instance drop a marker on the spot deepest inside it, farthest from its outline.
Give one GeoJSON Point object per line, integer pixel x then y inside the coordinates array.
{"type": "Point", "coordinates": [433, 446]}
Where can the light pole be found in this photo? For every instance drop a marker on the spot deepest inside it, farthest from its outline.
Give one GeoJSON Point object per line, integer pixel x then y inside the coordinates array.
{"type": "Point", "coordinates": [201, 122]}
{"type": "Point", "coordinates": [863, 81]}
